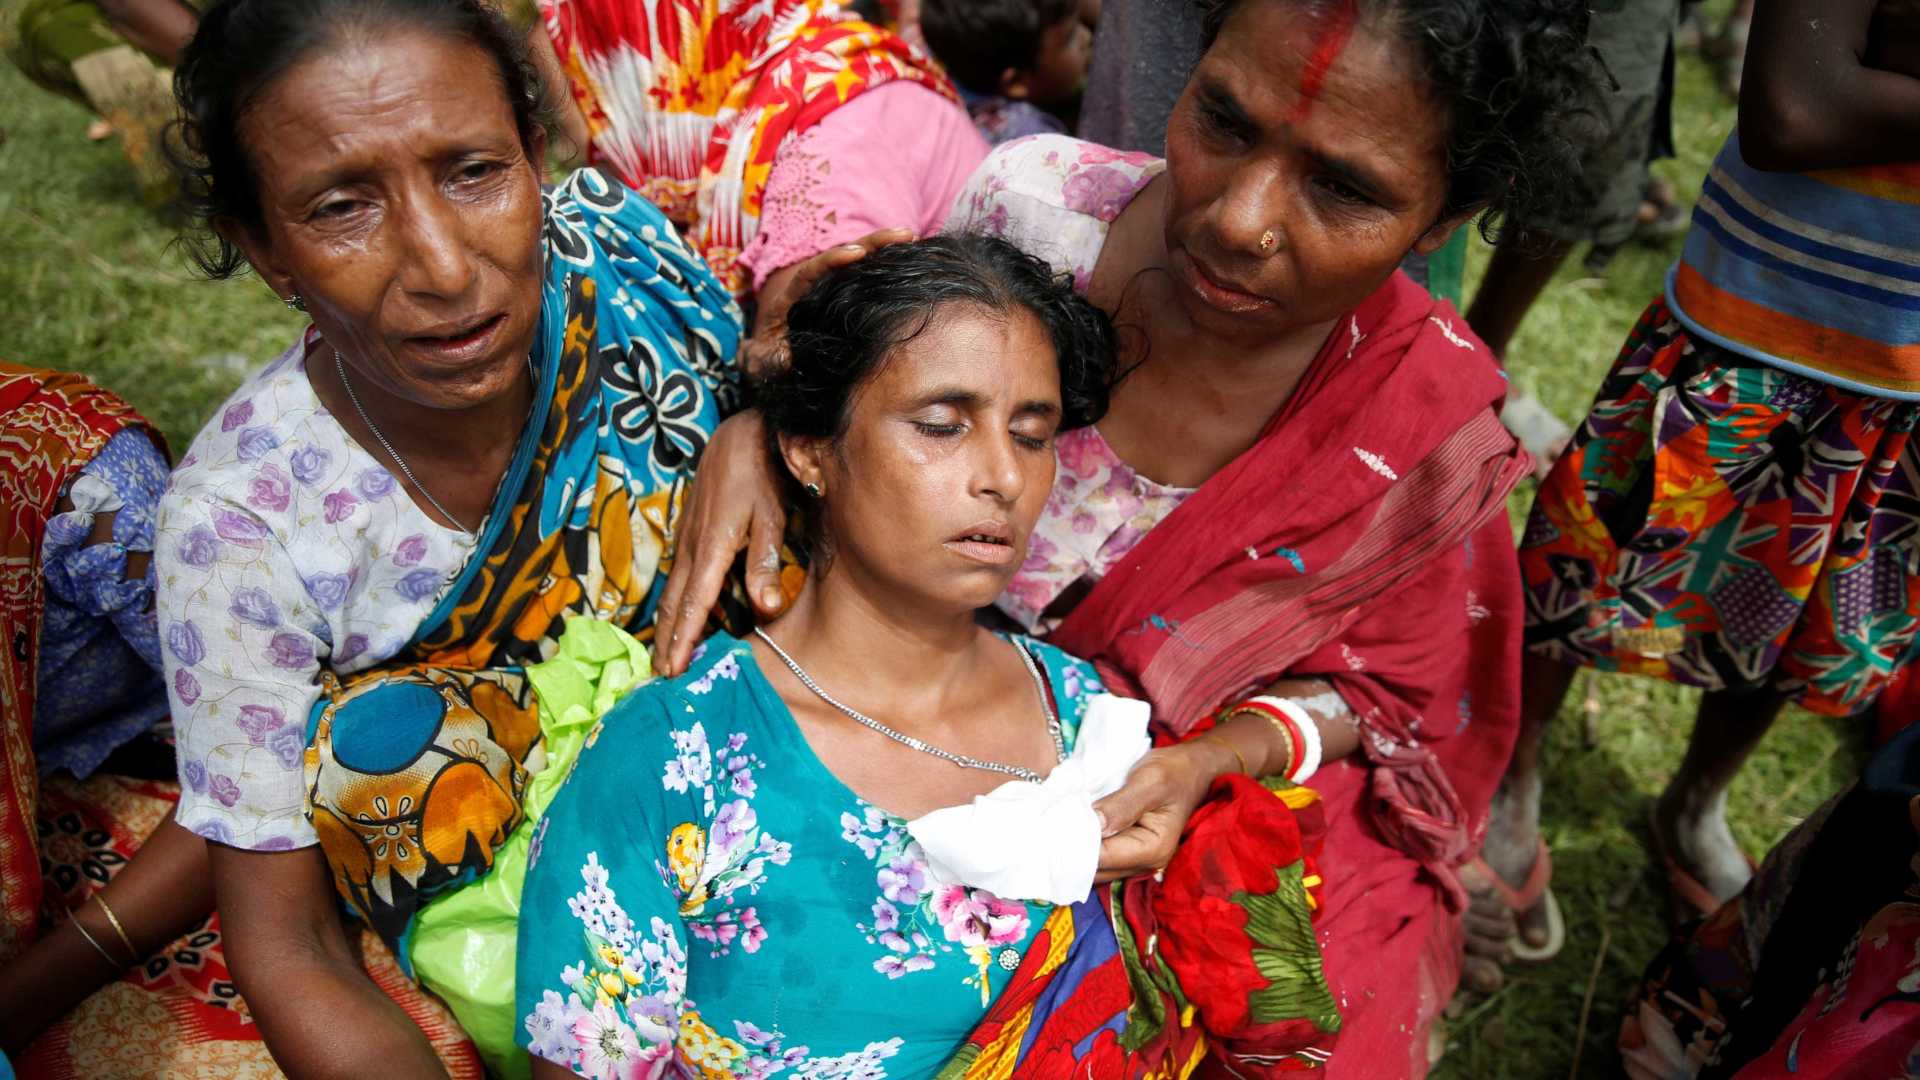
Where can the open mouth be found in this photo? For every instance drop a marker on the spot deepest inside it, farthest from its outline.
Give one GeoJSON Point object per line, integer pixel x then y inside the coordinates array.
{"type": "Point", "coordinates": [992, 546]}
{"type": "Point", "coordinates": [472, 338]}
{"type": "Point", "coordinates": [465, 333]}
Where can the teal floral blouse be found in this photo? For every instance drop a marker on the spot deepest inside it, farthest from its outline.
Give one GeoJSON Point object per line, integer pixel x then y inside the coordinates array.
{"type": "Point", "coordinates": [705, 898]}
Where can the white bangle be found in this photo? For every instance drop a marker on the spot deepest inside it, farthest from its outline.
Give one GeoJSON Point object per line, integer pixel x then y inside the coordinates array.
{"type": "Point", "coordinates": [1309, 762]}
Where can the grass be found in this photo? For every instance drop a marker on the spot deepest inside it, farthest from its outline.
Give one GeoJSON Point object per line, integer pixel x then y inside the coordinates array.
{"type": "Point", "coordinates": [89, 280]}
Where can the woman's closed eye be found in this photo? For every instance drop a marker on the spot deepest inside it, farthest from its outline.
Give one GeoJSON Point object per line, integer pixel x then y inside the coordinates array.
{"type": "Point", "coordinates": [1033, 435]}
{"type": "Point", "coordinates": [939, 430]}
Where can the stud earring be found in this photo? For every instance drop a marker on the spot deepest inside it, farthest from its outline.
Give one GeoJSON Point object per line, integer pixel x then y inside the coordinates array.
{"type": "Point", "coordinates": [294, 303]}
{"type": "Point", "coordinates": [814, 490]}
{"type": "Point", "coordinates": [1267, 241]}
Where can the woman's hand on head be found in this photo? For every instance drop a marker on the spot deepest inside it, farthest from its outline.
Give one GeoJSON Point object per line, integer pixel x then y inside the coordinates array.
{"type": "Point", "coordinates": [1142, 822]}
{"type": "Point", "coordinates": [766, 350]}
{"type": "Point", "coordinates": [734, 504]}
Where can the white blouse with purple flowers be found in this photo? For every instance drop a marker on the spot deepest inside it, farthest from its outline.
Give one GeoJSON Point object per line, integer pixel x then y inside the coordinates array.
{"type": "Point", "coordinates": [283, 547]}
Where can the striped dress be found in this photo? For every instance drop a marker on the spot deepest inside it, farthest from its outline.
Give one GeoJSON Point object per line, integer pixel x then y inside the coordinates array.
{"type": "Point", "coordinates": [1741, 507]}
{"type": "Point", "coordinates": [1816, 273]}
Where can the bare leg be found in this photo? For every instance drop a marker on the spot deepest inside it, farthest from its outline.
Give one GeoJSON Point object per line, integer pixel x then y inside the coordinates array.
{"type": "Point", "coordinates": [1691, 813]}
{"type": "Point", "coordinates": [163, 891]}
{"type": "Point", "coordinates": [1513, 829]}
{"type": "Point", "coordinates": [1518, 273]}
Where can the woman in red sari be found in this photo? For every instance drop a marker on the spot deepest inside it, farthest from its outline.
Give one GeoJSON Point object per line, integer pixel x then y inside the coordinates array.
{"type": "Point", "coordinates": [1298, 491]}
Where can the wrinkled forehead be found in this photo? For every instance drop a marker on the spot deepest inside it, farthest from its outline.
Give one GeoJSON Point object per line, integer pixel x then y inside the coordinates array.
{"type": "Point", "coordinates": [361, 101]}
{"type": "Point", "coordinates": [1335, 74]}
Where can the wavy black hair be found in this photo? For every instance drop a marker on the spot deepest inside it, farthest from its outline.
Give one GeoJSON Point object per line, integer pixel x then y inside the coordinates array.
{"type": "Point", "coordinates": [844, 328]}
{"type": "Point", "coordinates": [1521, 83]}
{"type": "Point", "coordinates": [977, 40]}
{"type": "Point", "coordinates": [242, 46]}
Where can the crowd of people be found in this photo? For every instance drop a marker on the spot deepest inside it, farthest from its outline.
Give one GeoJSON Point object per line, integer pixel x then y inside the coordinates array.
{"type": "Point", "coordinates": [684, 604]}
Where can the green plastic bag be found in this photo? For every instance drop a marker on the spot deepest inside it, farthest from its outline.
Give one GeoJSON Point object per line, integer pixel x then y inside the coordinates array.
{"type": "Point", "coordinates": [462, 944]}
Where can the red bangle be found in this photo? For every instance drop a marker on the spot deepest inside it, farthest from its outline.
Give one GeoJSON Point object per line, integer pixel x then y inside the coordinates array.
{"type": "Point", "coordinates": [1281, 721]}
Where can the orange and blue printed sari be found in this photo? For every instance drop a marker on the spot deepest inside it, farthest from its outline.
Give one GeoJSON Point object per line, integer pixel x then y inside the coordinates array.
{"type": "Point", "coordinates": [687, 101]}
{"type": "Point", "coordinates": [415, 771]}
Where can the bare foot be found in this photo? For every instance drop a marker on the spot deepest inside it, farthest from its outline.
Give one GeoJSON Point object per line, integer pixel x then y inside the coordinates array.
{"type": "Point", "coordinates": [1511, 847]}
{"type": "Point", "coordinates": [98, 130]}
{"type": "Point", "coordinates": [1694, 833]}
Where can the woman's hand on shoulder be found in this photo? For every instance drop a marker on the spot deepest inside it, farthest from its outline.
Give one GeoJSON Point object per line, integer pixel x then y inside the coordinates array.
{"type": "Point", "coordinates": [1141, 823]}
{"type": "Point", "coordinates": [766, 351]}
{"type": "Point", "coordinates": [734, 504]}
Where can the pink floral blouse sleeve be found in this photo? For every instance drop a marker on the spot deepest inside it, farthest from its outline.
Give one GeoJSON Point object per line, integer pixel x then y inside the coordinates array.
{"type": "Point", "coordinates": [1053, 196]}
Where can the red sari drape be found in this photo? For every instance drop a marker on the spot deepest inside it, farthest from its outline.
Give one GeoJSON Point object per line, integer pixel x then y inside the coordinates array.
{"type": "Point", "coordinates": [1362, 540]}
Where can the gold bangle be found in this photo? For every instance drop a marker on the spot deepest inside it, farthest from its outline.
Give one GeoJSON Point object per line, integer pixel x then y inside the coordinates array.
{"type": "Point", "coordinates": [1232, 749]}
{"type": "Point", "coordinates": [1293, 751]}
{"type": "Point", "coordinates": [111, 962]}
{"type": "Point", "coordinates": [117, 928]}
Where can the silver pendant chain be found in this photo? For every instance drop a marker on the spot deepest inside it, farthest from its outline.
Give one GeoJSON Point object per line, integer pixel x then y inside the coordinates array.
{"type": "Point", "coordinates": [340, 366]}
{"type": "Point", "coordinates": [962, 760]}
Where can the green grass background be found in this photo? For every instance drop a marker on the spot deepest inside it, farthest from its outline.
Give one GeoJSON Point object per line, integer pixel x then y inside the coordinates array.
{"type": "Point", "coordinates": [92, 281]}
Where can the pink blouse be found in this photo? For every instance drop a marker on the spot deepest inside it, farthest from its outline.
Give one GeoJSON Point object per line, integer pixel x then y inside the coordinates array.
{"type": "Point", "coordinates": [868, 165]}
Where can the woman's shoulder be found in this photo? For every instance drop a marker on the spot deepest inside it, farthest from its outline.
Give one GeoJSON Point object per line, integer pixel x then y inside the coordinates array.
{"type": "Point", "coordinates": [591, 215]}
{"type": "Point", "coordinates": [713, 694]}
{"type": "Point", "coordinates": [273, 476]}
{"type": "Point", "coordinates": [1060, 171]}
{"type": "Point", "coordinates": [269, 437]}
{"type": "Point", "coordinates": [682, 744]}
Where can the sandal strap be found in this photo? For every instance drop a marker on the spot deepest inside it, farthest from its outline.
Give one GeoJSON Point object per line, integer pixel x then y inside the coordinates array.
{"type": "Point", "coordinates": [1529, 892]}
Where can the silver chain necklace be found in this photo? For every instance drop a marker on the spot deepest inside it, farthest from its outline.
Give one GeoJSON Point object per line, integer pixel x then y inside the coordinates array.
{"type": "Point", "coordinates": [340, 366]}
{"type": "Point", "coordinates": [962, 760]}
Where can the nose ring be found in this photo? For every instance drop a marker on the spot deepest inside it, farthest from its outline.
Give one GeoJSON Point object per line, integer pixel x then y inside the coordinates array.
{"type": "Point", "coordinates": [1267, 242]}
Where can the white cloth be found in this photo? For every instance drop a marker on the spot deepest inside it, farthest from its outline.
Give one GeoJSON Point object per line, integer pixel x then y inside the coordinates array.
{"type": "Point", "coordinates": [1028, 841]}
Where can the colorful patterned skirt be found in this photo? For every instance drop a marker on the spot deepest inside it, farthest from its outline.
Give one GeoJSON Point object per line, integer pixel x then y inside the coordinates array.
{"type": "Point", "coordinates": [1729, 525]}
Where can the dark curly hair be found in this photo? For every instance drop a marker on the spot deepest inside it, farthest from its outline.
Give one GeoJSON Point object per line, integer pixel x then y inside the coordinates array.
{"type": "Point", "coordinates": [242, 46]}
{"type": "Point", "coordinates": [1521, 83]}
{"type": "Point", "coordinates": [977, 40]}
{"type": "Point", "coordinates": [846, 325]}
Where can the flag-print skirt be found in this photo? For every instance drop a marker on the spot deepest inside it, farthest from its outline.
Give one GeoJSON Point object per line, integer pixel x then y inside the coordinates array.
{"type": "Point", "coordinates": [1729, 525]}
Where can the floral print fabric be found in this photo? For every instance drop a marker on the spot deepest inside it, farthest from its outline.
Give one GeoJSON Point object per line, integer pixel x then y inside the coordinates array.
{"type": "Point", "coordinates": [690, 104]}
{"type": "Point", "coordinates": [99, 646]}
{"type": "Point", "coordinates": [704, 897]}
{"type": "Point", "coordinates": [1053, 196]}
{"type": "Point", "coordinates": [1099, 509]}
{"type": "Point", "coordinates": [283, 546]}
{"type": "Point", "coordinates": [1056, 197]}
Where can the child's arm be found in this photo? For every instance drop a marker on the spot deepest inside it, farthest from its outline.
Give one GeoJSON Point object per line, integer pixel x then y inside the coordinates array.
{"type": "Point", "coordinates": [1811, 98]}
